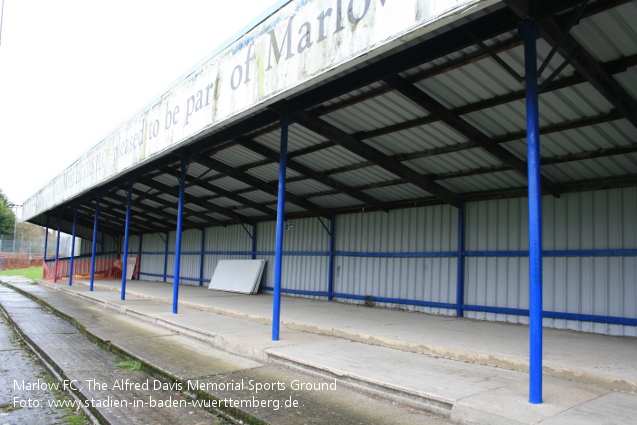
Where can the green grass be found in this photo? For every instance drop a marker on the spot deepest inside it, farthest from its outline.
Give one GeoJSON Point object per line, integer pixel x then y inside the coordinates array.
{"type": "Point", "coordinates": [29, 273]}
{"type": "Point", "coordinates": [129, 365]}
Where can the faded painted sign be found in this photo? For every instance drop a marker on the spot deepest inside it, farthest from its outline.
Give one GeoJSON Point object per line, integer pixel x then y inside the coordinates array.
{"type": "Point", "coordinates": [302, 43]}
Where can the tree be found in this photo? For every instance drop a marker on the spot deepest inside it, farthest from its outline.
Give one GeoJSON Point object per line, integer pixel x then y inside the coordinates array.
{"type": "Point", "coordinates": [7, 218]}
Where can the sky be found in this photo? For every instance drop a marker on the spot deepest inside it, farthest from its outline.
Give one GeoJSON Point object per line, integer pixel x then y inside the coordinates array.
{"type": "Point", "coordinates": [71, 71]}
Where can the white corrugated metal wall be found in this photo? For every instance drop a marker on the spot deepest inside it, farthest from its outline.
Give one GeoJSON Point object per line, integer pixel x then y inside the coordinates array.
{"type": "Point", "coordinates": [424, 231]}
{"type": "Point", "coordinates": [308, 243]}
{"type": "Point", "coordinates": [408, 258]}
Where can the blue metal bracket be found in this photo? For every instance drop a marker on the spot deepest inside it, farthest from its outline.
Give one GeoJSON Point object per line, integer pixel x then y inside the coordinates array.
{"type": "Point", "coordinates": [568, 28]}
{"type": "Point", "coordinates": [246, 229]}
{"type": "Point", "coordinates": [318, 217]}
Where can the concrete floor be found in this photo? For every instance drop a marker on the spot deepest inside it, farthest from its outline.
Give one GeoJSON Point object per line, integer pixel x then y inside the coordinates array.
{"type": "Point", "coordinates": [444, 363]}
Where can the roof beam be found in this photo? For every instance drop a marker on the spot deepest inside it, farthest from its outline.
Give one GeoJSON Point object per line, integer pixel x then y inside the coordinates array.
{"type": "Point", "coordinates": [463, 127]}
{"type": "Point", "coordinates": [153, 220]}
{"type": "Point", "coordinates": [591, 69]}
{"type": "Point", "coordinates": [313, 174]}
{"type": "Point", "coordinates": [248, 203]}
{"type": "Point", "coordinates": [581, 60]}
{"type": "Point", "coordinates": [356, 146]}
{"type": "Point", "coordinates": [174, 192]}
{"type": "Point", "coordinates": [170, 218]}
{"type": "Point", "coordinates": [260, 184]}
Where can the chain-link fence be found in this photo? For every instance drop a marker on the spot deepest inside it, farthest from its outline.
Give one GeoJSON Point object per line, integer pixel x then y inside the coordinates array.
{"type": "Point", "coordinates": [27, 251]}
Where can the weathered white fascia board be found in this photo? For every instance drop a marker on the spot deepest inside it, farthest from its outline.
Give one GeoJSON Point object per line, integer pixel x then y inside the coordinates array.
{"type": "Point", "coordinates": [300, 44]}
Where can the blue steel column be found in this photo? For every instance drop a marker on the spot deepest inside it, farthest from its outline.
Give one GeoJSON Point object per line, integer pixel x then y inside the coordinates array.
{"type": "Point", "coordinates": [139, 253]}
{"type": "Point", "coordinates": [73, 246]}
{"type": "Point", "coordinates": [330, 260]}
{"type": "Point", "coordinates": [529, 29]}
{"type": "Point", "coordinates": [166, 257]}
{"type": "Point", "coordinates": [126, 236]}
{"type": "Point", "coordinates": [180, 213]}
{"type": "Point", "coordinates": [203, 248]}
{"type": "Point", "coordinates": [254, 240]}
{"type": "Point", "coordinates": [57, 249]}
{"type": "Point", "coordinates": [460, 287]}
{"type": "Point", "coordinates": [278, 254]}
{"type": "Point", "coordinates": [46, 237]}
{"type": "Point", "coordinates": [94, 245]}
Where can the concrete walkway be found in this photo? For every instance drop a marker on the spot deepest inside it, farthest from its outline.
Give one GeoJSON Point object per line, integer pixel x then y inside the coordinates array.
{"type": "Point", "coordinates": [442, 364]}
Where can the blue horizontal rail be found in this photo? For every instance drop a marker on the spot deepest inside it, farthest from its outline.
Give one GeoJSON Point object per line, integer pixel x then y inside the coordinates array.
{"type": "Point", "coordinates": [557, 253]}
{"type": "Point", "coordinates": [298, 291]}
{"type": "Point", "coordinates": [395, 300]}
{"type": "Point", "coordinates": [193, 279]}
{"type": "Point", "coordinates": [555, 315]}
{"type": "Point", "coordinates": [440, 254]}
{"type": "Point", "coordinates": [52, 260]}
{"type": "Point", "coordinates": [396, 254]}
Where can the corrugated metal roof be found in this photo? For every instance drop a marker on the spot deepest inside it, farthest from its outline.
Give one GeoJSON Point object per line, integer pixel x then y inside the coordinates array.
{"type": "Point", "coordinates": [585, 138]}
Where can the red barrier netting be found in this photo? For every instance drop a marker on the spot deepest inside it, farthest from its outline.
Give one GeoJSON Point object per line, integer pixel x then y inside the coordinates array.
{"type": "Point", "coordinates": [105, 268]}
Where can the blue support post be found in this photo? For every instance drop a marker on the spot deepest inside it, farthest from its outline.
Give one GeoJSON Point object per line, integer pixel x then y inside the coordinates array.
{"type": "Point", "coordinates": [126, 237]}
{"type": "Point", "coordinates": [203, 248]}
{"type": "Point", "coordinates": [139, 252]}
{"type": "Point", "coordinates": [166, 257]}
{"type": "Point", "coordinates": [330, 260]}
{"type": "Point", "coordinates": [57, 249]}
{"type": "Point", "coordinates": [73, 246]}
{"type": "Point", "coordinates": [46, 237]}
{"type": "Point", "coordinates": [460, 277]}
{"type": "Point", "coordinates": [180, 215]}
{"type": "Point", "coordinates": [280, 218]}
{"type": "Point", "coordinates": [254, 240]}
{"type": "Point", "coordinates": [529, 29]}
{"type": "Point", "coordinates": [94, 245]}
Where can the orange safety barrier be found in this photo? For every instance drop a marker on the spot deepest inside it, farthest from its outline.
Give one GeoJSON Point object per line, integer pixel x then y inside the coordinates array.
{"type": "Point", "coordinates": [105, 268]}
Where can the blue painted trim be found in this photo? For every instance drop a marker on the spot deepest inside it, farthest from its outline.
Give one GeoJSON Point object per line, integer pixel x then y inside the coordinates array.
{"type": "Point", "coordinates": [397, 254]}
{"type": "Point", "coordinates": [129, 195]}
{"type": "Point", "coordinates": [460, 260]}
{"type": "Point", "coordinates": [397, 301]}
{"type": "Point", "coordinates": [101, 254]}
{"type": "Point", "coordinates": [94, 243]}
{"type": "Point", "coordinates": [73, 246]}
{"type": "Point", "coordinates": [591, 318]}
{"type": "Point", "coordinates": [57, 248]}
{"type": "Point", "coordinates": [555, 315]}
{"type": "Point", "coordinates": [280, 218]}
{"type": "Point", "coordinates": [185, 160]}
{"type": "Point", "coordinates": [529, 30]}
{"type": "Point", "coordinates": [502, 310]}
{"type": "Point", "coordinates": [298, 291]}
{"type": "Point", "coordinates": [192, 279]}
{"type": "Point", "coordinates": [557, 253]}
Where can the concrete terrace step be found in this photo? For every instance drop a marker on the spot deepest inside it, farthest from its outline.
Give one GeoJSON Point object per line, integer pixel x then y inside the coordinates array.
{"type": "Point", "coordinates": [506, 346]}
{"type": "Point", "coordinates": [179, 357]}
{"type": "Point", "coordinates": [463, 392]}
